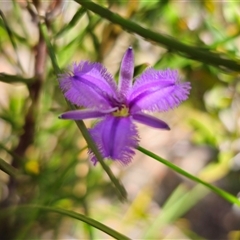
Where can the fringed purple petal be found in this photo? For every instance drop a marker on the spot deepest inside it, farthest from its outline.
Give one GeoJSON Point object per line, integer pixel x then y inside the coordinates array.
{"type": "Point", "coordinates": [126, 72]}
{"type": "Point", "coordinates": [89, 85]}
{"type": "Point", "coordinates": [150, 121]}
{"type": "Point", "coordinates": [85, 114]}
{"type": "Point", "coordinates": [116, 138]}
{"type": "Point", "coordinates": [157, 91]}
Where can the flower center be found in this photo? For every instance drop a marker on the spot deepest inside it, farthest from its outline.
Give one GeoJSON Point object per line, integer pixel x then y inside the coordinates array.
{"type": "Point", "coordinates": [123, 111]}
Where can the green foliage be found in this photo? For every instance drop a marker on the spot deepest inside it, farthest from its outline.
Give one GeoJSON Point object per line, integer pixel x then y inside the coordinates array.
{"type": "Point", "coordinates": [46, 177]}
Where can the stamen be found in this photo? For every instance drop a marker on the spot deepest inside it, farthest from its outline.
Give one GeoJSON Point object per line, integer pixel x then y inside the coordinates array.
{"type": "Point", "coordinates": [123, 111]}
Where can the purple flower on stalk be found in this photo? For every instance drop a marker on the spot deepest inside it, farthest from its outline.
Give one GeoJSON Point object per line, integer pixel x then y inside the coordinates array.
{"type": "Point", "coordinates": [89, 85]}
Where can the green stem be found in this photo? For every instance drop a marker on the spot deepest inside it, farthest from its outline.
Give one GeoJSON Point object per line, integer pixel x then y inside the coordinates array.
{"type": "Point", "coordinates": [121, 190]}
{"type": "Point", "coordinates": [7, 78]}
{"type": "Point", "coordinates": [168, 42]}
{"type": "Point", "coordinates": [217, 190]}
{"type": "Point", "coordinates": [7, 168]}
{"type": "Point", "coordinates": [119, 187]}
{"type": "Point", "coordinates": [51, 52]}
{"type": "Point", "coordinates": [78, 15]}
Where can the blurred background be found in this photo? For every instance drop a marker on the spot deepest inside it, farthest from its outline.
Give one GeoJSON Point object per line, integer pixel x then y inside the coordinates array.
{"type": "Point", "coordinates": [52, 155]}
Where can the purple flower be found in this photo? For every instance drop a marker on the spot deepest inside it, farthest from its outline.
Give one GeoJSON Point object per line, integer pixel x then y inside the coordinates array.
{"type": "Point", "coordinates": [89, 85]}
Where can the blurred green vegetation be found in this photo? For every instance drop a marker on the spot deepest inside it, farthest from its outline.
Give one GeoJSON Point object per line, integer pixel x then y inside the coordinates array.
{"type": "Point", "coordinates": [44, 160]}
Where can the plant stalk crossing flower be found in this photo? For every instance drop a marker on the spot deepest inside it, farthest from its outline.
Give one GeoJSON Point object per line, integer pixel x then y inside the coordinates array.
{"type": "Point", "coordinates": [89, 85]}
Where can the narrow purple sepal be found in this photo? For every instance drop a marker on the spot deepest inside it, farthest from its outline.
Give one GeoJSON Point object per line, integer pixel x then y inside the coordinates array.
{"type": "Point", "coordinates": [83, 114]}
{"type": "Point", "coordinates": [116, 138]}
{"type": "Point", "coordinates": [157, 91]}
{"type": "Point", "coordinates": [126, 72]}
{"type": "Point", "coordinates": [150, 121]}
{"type": "Point", "coordinates": [89, 85]}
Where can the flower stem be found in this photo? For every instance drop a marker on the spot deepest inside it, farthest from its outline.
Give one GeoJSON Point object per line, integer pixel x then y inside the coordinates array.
{"type": "Point", "coordinates": [91, 144]}
{"type": "Point", "coordinates": [121, 190]}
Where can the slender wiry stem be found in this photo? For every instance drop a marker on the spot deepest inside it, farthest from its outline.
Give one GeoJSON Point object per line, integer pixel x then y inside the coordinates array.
{"type": "Point", "coordinates": [229, 197]}
{"type": "Point", "coordinates": [91, 144]}
{"type": "Point", "coordinates": [192, 52]}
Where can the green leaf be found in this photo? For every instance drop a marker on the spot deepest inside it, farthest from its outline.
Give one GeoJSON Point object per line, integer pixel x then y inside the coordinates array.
{"type": "Point", "coordinates": [229, 197]}
{"type": "Point", "coordinates": [78, 15]}
{"type": "Point", "coordinates": [11, 37]}
{"type": "Point", "coordinates": [178, 203]}
{"type": "Point", "coordinates": [78, 216]}
{"type": "Point", "coordinates": [51, 51]}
